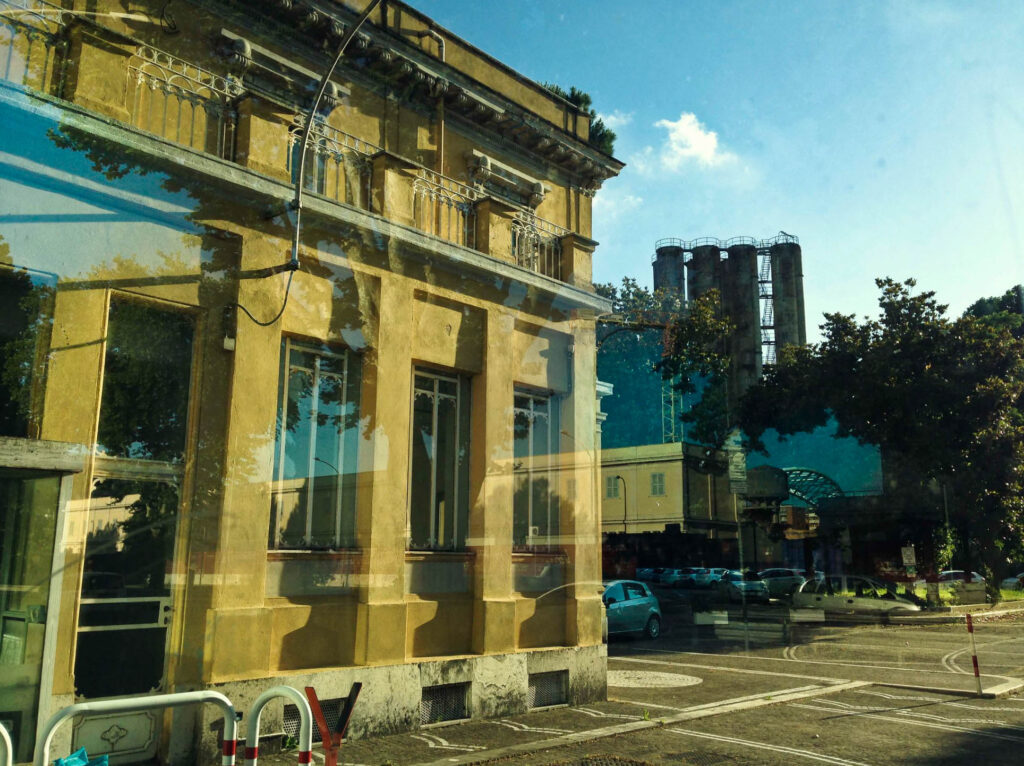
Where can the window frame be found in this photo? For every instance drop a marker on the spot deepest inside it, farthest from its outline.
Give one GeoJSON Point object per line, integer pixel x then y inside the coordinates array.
{"type": "Point", "coordinates": [460, 516]}
{"type": "Point", "coordinates": [319, 351]}
{"type": "Point", "coordinates": [657, 483]}
{"type": "Point", "coordinates": [611, 487]}
{"type": "Point", "coordinates": [551, 401]}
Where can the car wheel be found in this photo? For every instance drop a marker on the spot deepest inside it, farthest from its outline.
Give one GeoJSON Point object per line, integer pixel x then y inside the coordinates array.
{"type": "Point", "coordinates": [653, 627]}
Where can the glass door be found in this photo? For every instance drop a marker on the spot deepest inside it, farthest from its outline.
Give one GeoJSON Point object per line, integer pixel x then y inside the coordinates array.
{"type": "Point", "coordinates": [29, 503]}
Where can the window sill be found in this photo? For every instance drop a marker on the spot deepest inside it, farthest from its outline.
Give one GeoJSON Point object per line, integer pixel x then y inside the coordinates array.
{"type": "Point", "coordinates": [289, 554]}
{"type": "Point", "coordinates": [440, 556]}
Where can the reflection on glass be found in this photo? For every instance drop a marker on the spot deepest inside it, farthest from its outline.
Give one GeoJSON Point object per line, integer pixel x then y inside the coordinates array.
{"type": "Point", "coordinates": [144, 411]}
{"type": "Point", "coordinates": [125, 587]}
{"type": "Point", "coordinates": [317, 449]}
{"type": "Point", "coordinates": [28, 515]}
{"type": "Point", "coordinates": [535, 503]}
{"type": "Point", "coordinates": [25, 322]}
{"type": "Point", "coordinates": [438, 490]}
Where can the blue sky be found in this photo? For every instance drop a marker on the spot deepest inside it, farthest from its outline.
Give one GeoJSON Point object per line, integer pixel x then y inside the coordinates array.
{"type": "Point", "coordinates": [888, 136]}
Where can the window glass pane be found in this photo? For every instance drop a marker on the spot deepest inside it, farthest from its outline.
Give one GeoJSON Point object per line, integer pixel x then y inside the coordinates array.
{"type": "Point", "coordinates": [420, 487]}
{"type": "Point", "coordinates": [447, 470]}
{"type": "Point", "coordinates": [317, 456]}
{"type": "Point", "coordinates": [128, 556]}
{"type": "Point", "coordinates": [424, 383]}
{"type": "Point", "coordinates": [25, 321]}
{"type": "Point", "coordinates": [447, 387]}
{"type": "Point", "coordinates": [146, 377]}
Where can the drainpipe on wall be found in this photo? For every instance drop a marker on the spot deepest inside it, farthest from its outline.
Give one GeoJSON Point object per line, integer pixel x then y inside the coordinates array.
{"type": "Point", "coordinates": [439, 163]}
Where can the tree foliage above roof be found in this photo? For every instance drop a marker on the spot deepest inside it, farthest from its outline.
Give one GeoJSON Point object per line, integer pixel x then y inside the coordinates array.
{"type": "Point", "coordinates": [602, 137]}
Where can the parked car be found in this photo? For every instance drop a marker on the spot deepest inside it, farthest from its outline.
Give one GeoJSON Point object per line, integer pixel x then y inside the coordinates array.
{"type": "Point", "coordinates": [708, 577]}
{"type": "Point", "coordinates": [741, 586]}
{"type": "Point", "coordinates": [949, 577]}
{"type": "Point", "coordinates": [782, 582]}
{"type": "Point", "coordinates": [686, 577]}
{"type": "Point", "coordinates": [851, 593]}
{"type": "Point", "coordinates": [631, 608]}
{"type": "Point", "coordinates": [1013, 583]}
{"type": "Point", "coordinates": [645, 574]}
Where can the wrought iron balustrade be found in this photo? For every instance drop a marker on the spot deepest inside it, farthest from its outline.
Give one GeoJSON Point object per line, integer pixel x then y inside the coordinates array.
{"type": "Point", "coordinates": [337, 164]}
{"type": "Point", "coordinates": [182, 102]}
{"type": "Point", "coordinates": [32, 46]}
{"type": "Point", "coordinates": [537, 244]}
{"type": "Point", "coordinates": [445, 208]}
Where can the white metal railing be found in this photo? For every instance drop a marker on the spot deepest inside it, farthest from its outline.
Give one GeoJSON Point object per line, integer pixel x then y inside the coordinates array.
{"type": "Point", "coordinates": [337, 163]}
{"type": "Point", "coordinates": [445, 208]}
{"type": "Point", "coordinates": [139, 704]}
{"type": "Point", "coordinates": [537, 244]}
{"type": "Point", "coordinates": [31, 47]}
{"type": "Point", "coordinates": [5, 740]}
{"type": "Point", "coordinates": [182, 102]}
{"type": "Point", "coordinates": [252, 739]}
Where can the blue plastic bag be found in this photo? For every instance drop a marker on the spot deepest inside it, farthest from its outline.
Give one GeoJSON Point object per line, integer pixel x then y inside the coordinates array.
{"type": "Point", "coordinates": [81, 758]}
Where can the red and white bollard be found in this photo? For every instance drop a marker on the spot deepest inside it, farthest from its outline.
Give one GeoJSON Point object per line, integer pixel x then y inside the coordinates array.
{"type": "Point", "coordinates": [252, 740]}
{"type": "Point", "coordinates": [974, 653]}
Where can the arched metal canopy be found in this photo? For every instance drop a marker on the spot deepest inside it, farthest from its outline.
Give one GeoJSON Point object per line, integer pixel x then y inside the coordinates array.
{"type": "Point", "coordinates": [811, 486]}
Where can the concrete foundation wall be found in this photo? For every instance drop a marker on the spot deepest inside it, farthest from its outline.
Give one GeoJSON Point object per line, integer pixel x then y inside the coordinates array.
{"type": "Point", "coordinates": [389, 702]}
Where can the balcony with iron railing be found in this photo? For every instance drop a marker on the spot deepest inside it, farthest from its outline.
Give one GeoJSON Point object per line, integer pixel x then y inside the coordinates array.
{"type": "Point", "coordinates": [198, 108]}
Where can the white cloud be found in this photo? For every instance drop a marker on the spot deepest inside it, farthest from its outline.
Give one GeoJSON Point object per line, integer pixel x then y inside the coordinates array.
{"type": "Point", "coordinates": [616, 119]}
{"type": "Point", "coordinates": [609, 205]}
{"type": "Point", "coordinates": [688, 141]}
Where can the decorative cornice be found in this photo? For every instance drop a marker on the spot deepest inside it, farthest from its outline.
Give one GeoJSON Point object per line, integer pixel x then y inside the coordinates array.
{"type": "Point", "coordinates": [385, 56]}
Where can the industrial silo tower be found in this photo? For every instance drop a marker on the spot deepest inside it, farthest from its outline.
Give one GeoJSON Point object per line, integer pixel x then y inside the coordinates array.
{"type": "Point", "coordinates": [761, 287]}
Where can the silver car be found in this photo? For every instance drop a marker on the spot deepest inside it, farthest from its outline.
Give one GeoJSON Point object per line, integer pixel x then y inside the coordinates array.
{"type": "Point", "coordinates": [741, 586]}
{"type": "Point", "coordinates": [851, 593]}
{"type": "Point", "coordinates": [782, 582]}
{"type": "Point", "coordinates": [631, 608]}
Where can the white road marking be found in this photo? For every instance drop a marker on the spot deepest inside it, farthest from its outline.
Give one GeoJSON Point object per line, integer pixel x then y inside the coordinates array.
{"type": "Point", "coordinates": [601, 714]}
{"type": "Point", "coordinates": [434, 741]}
{"type": "Point", "coordinates": [720, 667]}
{"type": "Point", "coordinates": [918, 714]}
{"type": "Point", "coordinates": [947, 703]}
{"type": "Point", "coordinates": [517, 726]}
{"type": "Point", "coordinates": [903, 721]}
{"type": "Point", "coordinates": [1008, 679]}
{"type": "Point", "coordinates": [765, 746]}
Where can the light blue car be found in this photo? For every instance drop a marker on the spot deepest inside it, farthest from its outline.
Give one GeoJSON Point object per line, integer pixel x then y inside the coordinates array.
{"type": "Point", "coordinates": [631, 608]}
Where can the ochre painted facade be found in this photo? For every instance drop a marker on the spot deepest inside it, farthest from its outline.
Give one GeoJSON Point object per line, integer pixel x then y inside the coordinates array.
{"type": "Point", "coordinates": [446, 231]}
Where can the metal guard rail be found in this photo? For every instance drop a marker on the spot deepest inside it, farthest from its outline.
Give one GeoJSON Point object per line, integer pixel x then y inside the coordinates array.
{"type": "Point", "coordinates": [136, 704]}
{"type": "Point", "coordinates": [252, 739]}
{"type": "Point", "coordinates": [8, 747]}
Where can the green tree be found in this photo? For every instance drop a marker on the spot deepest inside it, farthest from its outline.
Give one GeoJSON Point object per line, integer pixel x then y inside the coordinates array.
{"type": "Point", "coordinates": [1006, 310]}
{"type": "Point", "coordinates": [658, 334]}
{"type": "Point", "coordinates": [940, 397]}
{"type": "Point", "coordinates": [602, 137]}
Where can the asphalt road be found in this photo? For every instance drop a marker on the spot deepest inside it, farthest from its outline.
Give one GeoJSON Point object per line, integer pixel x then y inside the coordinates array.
{"type": "Point", "coordinates": [752, 693]}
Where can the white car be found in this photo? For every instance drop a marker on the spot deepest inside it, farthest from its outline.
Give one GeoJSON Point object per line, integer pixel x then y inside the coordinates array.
{"type": "Point", "coordinates": [709, 577]}
{"type": "Point", "coordinates": [850, 593]}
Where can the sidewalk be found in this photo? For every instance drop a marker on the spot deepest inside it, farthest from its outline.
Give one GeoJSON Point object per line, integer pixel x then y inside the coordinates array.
{"type": "Point", "coordinates": [541, 732]}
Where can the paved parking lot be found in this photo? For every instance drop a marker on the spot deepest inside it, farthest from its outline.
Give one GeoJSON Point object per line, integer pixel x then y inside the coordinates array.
{"type": "Point", "coordinates": [837, 692]}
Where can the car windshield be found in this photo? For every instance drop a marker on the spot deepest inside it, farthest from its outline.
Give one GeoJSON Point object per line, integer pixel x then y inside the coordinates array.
{"type": "Point", "coordinates": [392, 347]}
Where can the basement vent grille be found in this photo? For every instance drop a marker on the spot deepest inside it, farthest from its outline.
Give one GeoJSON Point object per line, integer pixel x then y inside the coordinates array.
{"type": "Point", "coordinates": [331, 708]}
{"type": "Point", "coordinates": [548, 689]}
{"type": "Point", "coordinates": [444, 703]}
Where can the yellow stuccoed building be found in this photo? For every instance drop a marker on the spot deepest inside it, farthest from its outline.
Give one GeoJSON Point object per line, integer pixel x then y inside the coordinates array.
{"type": "Point", "coordinates": [220, 473]}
